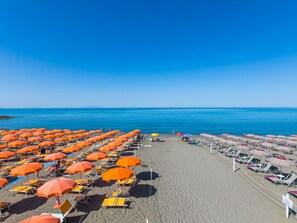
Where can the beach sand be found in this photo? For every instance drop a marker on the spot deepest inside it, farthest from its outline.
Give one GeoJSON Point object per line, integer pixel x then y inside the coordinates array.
{"type": "Point", "coordinates": [189, 185]}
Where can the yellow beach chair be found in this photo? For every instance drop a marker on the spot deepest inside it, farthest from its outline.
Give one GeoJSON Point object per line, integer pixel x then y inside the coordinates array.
{"type": "Point", "coordinates": [114, 202]}
{"type": "Point", "coordinates": [79, 189]}
{"type": "Point", "coordinates": [34, 183]}
{"type": "Point", "coordinates": [65, 208]}
{"type": "Point", "coordinates": [23, 190]}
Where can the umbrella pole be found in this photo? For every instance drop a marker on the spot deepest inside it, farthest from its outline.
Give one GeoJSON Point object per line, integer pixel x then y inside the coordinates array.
{"type": "Point", "coordinates": [58, 200]}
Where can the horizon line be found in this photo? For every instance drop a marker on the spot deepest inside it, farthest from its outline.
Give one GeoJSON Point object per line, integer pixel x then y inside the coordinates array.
{"type": "Point", "coordinates": [202, 107]}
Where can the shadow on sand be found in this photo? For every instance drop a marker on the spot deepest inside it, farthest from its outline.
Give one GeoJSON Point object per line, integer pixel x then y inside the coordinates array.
{"type": "Point", "coordinates": [94, 204]}
{"type": "Point", "coordinates": [146, 175]}
{"type": "Point", "coordinates": [142, 190]}
{"type": "Point", "coordinates": [27, 204]}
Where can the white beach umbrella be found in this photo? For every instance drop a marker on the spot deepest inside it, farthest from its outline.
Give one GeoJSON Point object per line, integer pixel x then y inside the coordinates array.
{"type": "Point", "coordinates": [242, 148]}
{"type": "Point", "coordinates": [253, 141]}
{"type": "Point", "coordinates": [284, 149]}
{"type": "Point", "coordinates": [231, 143]}
{"type": "Point", "coordinates": [259, 152]}
{"type": "Point", "coordinates": [291, 143]}
{"type": "Point", "coordinates": [268, 145]}
{"type": "Point", "coordinates": [280, 161]}
{"type": "Point", "coordinates": [270, 136]}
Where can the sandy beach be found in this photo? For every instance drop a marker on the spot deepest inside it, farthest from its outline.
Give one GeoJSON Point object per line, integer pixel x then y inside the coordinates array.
{"type": "Point", "coordinates": [189, 185]}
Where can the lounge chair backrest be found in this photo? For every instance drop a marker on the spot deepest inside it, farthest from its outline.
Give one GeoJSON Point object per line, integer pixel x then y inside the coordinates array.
{"type": "Point", "coordinates": [266, 168]}
{"type": "Point", "coordinates": [66, 207]}
{"type": "Point", "coordinates": [290, 180]}
{"type": "Point", "coordinates": [237, 153]}
{"type": "Point", "coordinates": [250, 160]}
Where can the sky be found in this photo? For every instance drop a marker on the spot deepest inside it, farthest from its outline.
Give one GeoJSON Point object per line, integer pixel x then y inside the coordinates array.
{"type": "Point", "coordinates": [148, 53]}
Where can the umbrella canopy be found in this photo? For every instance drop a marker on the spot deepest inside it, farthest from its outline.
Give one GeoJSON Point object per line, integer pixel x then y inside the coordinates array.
{"type": "Point", "coordinates": [61, 139]}
{"type": "Point", "coordinates": [3, 182]}
{"type": "Point", "coordinates": [6, 154]}
{"type": "Point", "coordinates": [9, 137]}
{"type": "Point", "coordinates": [45, 218]}
{"type": "Point", "coordinates": [284, 149]}
{"type": "Point", "coordinates": [72, 149]}
{"type": "Point", "coordinates": [28, 149]}
{"type": "Point", "coordinates": [242, 148]}
{"type": "Point", "coordinates": [179, 134]}
{"type": "Point", "coordinates": [80, 167]}
{"type": "Point", "coordinates": [96, 156]}
{"type": "Point", "coordinates": [26, 169]}
{"type": "Point", "coordinates": [107, 148]}
{"type": "Point", "coordinates": [128, 161]}
{"type": "Point", "coordinates": [3, 146]}
{"type": "Point", "coordinates": [46, 144]}
{"type": "Point", "coordinates": [280, 161]}
{"type": "Point", "coordinates": [54, 157]}
{"type": "Point", "coordinates": [17, 143]}
{"type": "Point", "coordinates": [26, 135]}
{"type": "Point", "coordinates": [56, 187]}
{"type": "Point", "coordinates": [154, 134]}
{"type": "Point", "coordinates": [259, 152]}
{"type": "Point", "coordinates": [118, 173]}
{"type": "Point", "coordinates": [83, 144]}
{"type": "Point", "coordinates": [35, 139]}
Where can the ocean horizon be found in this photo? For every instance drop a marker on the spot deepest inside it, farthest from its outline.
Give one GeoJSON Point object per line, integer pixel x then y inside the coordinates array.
{"type": "Point", "coordinates": [213, 120]}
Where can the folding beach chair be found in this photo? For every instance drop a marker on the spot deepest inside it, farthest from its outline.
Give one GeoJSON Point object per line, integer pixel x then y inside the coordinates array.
{"type": "Point", "coordinates": [290, 180]}
{"type": "Point", "coordinates": [82, 198]}
{"type": "Point", "coordinates": [34, 183]}
{"type": "Point", "coordinates": [65, 208]}
{"type": "Point", "coordinates": [85, 182]}
{"type": "Point", "coordinates": [4, 206]}
{"type": "Point", "coordinates": [79, 189]}
{"type": "Point", "coordinates": [23, 190]}
{"type": "Point", "coordinates": [272, 178]}
{"type": "Point", "coordinates": [115, 202]}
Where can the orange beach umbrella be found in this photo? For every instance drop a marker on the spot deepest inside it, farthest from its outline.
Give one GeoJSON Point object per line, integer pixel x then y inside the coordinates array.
{"type": "Point", "coordinates": [118, 173]}
{"type": "Point", "coordinates": [17, 143]}
{"type": "Point", "coordinates": [3, 182]}
{"type": "Point", "coordinates": [54, 156]}
{"type": "Point", "coordinates": [128, 161]}
{"type": "Point", "coordinates": [3, 146]}
{"type": "Point", "coordinates": [80, 167]}
{"type": "Point", "coordinates": [72, 149]}
{"type": "Point", "coordinates": [35, 139]}
{"type": "Point", "coordinates": [28, 149]}
{"type": "Point", "coordinates": [46, 144]}
{"type": "Point", "coordinates": [26, 169]}
{"type": "Point", "coordinates": [9, 137]}
{"type": "Point", "coordinates": [96, 156]}
{"type": "Point", "coordinates": [6, 154]}
{"type": "Point", "coordinates": [56, 187]}
{"type": "Point", "coordinates": [45, 218]}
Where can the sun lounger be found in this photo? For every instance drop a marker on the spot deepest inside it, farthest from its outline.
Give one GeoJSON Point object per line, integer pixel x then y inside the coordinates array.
{"type": "Point", "coordinates": [4, 206]}
{"type": "Point", "coordinates": [293, 193]}
{"type": "Point", "coordinates": [273, 178]}
{"type": "Point", "coordinates": [259, 167]}
{"type": "Point", "coordinates": [129, 182]}
{"type": "Point", "coordinates": [84, 182]}
{"type": "Point", "coordinates": [79, 189]}
{"type": "Point", "coordinates": [290, 180]}
{"type": "Point", "coordinates": [23, 190]}
{"type": "Point", "coordinates": [34, 183]}
{"type": "Point", "coordinates": [82, 198]}
{"type": "Point", "coordinates": [65, 208]}
{"type": "Point", "coordinates": [114, 202]}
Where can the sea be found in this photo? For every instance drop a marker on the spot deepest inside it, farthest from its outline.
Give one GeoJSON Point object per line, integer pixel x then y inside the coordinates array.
{"type": "Point", "coordinates": [235, 121]}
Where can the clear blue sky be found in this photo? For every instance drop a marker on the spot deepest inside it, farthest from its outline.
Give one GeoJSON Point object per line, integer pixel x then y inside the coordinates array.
{"type": "Point", "coordinates": [148, 53]}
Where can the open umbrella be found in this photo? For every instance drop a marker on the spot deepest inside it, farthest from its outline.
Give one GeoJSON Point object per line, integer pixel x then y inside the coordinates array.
{"type": "Point", "coordinates": [45, 218]}
{"type": "Point", "coordinates": [18, 143]}
{"type": "Point", "coordinates": [26, 169]}
{"type": "Point", "coordinates": [107, 148]}
{"type": "Point", "coordinates": [118, 173]}
{"type": "Point", "coordinates": [280, 161]}
{"type": "Point", "coordinates": [72, 149]}
{"type": "Point", "coordinates": [128, 161]}
{"type": "Point", "coordinates": [3, 182]}
{"type": "Point", "coordinates": [3, 146]}
{"type": "Point", "coordinates": [96, 156]}
{"type": "Point", "coordinates": [56, 187]}
{"type": "Point", "coordinates": [46, 144]}
{"type": "Point", "coordinates": [6, 154]}
{"type": "Point", "coordinates": [28, 149]}
{"type": "Point", "coordinates": [80, 167]}
{"type": "Point", "coordinates": [54, 157]}
{"type": "Point", "coordinates": [155, 134]}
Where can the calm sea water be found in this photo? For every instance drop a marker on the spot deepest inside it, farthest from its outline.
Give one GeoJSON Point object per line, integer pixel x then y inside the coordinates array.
{"type": "Point", "coordinates": [234, 121]}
